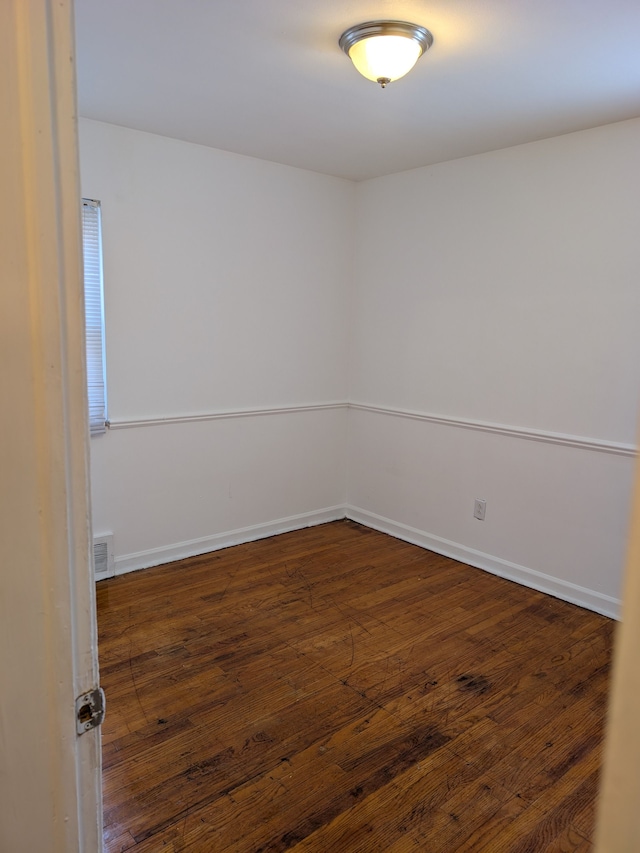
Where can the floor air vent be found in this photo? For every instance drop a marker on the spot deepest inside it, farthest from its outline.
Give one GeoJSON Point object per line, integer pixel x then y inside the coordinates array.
{"type": "Point", "coordinates": [103, 557]}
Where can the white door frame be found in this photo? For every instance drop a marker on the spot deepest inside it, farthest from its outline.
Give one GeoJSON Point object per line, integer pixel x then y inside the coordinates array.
{"type": "Point", "coordinates": [50, 794]}
{"type": "Point", "coordinates": [619, 807]}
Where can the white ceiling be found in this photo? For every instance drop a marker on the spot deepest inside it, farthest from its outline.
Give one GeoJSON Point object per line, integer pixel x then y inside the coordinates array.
{"type": "Point", "coordinates": [267, 78]}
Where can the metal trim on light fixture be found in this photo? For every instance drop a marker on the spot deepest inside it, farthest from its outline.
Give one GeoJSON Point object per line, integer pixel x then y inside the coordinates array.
{"type": "Point", "coordinates": [385, 28]}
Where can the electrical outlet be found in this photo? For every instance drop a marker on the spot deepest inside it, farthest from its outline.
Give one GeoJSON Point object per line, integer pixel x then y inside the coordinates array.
{"type": "Point", "coordinates": [479, 509]}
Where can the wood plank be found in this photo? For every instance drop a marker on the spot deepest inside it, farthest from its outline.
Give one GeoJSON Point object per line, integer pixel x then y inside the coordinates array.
{"type": "Point", "coordinates": [335, 689]}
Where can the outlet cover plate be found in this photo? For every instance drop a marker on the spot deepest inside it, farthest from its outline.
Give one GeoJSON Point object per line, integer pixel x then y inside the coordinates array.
{"type": "Point", "coordinates": [479, 509]}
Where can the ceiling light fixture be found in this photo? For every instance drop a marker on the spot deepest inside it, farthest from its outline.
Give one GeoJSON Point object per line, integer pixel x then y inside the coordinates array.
{"type": "Point", "coordinates": [383, 51]}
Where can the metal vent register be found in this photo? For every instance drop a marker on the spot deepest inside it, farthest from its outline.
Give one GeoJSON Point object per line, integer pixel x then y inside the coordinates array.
{"type": "Point", "coordinates": [103, 557]}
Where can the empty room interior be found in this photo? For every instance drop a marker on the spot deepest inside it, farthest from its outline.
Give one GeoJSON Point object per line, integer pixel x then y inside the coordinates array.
{"type": "Point", "coordinates": [372, 382]}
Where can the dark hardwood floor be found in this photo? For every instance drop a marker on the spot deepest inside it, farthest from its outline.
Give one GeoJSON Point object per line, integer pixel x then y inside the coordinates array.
{"type": "Point", "coordinates": [335, 689]}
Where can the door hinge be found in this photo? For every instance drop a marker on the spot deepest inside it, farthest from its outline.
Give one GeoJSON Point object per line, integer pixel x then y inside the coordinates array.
{"type": "Point", "coordinates": [90, 708]}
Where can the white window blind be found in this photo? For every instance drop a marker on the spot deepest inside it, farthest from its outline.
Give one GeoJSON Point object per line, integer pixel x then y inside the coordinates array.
{"type": "Point", "coordinates": [94, 314]}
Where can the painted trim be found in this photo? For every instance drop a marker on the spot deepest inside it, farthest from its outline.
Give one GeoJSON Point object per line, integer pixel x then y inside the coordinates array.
{"type": "Point", "coordinates": [50, 790]}
{"type": "Point", "coordinates": [583, 597]}
{"type": "Point", "coordinates": [193, 547]}
{"type": "Point", "coordinates": [580, 595]}
{"type": "Point", "coordinates": [576, 441]}
{"type": "Point", "coordinates": [230, 413]}
{"type": "Point", "coordinates": [563, 439]}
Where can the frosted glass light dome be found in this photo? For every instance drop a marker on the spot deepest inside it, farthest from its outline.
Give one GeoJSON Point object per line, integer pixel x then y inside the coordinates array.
{"type": "Point", "coordinates": [384, 51]}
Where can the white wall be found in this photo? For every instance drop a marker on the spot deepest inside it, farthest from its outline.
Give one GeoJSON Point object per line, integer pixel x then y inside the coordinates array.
{"type": "Point", "coordinates": [503, 288]}
{"type": "Point", "coordinates": [487, 324]}
{"type": "Point", "coordinates": [226, 290]}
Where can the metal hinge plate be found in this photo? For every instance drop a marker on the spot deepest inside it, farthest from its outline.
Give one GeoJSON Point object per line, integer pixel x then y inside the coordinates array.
{"type": "Point", "coordinates": [90, 708]}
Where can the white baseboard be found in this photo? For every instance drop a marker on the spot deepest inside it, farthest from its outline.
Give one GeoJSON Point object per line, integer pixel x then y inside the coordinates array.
{"type": "Point", "coordinates": [193, 547]}
{"type": "Point", "coordinates": [564, 590]}
{"type": "Point", "coordinates": [591, 600]}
